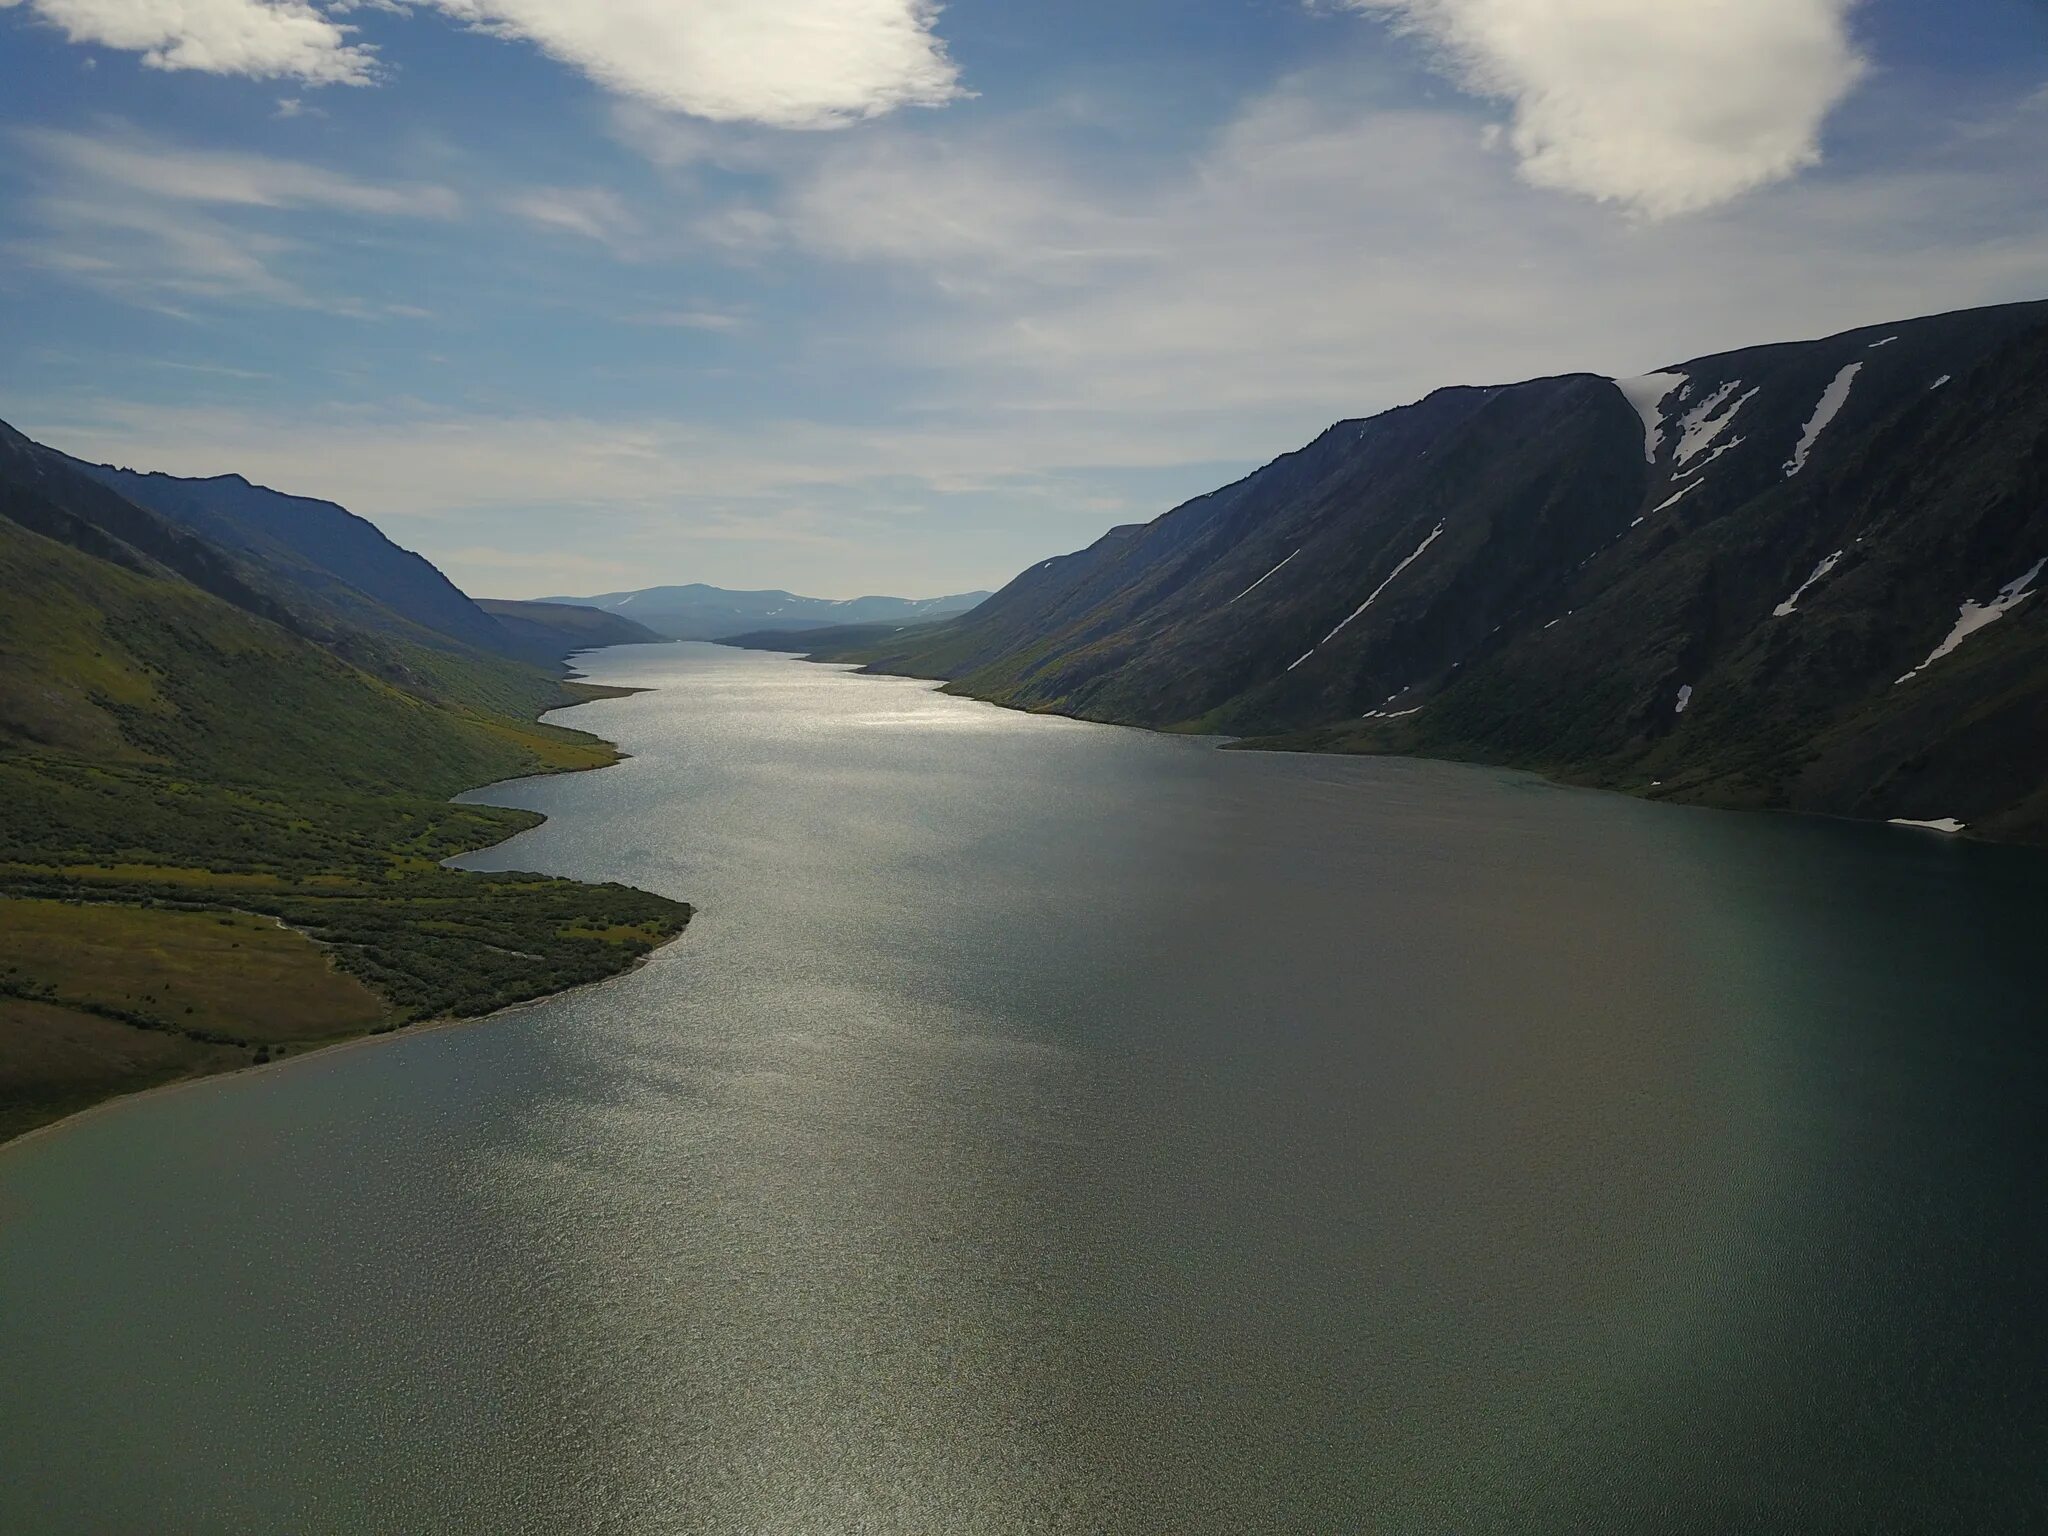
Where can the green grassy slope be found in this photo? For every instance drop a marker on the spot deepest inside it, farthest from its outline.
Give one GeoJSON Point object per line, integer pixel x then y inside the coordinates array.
{"type": "Point", "coordinates": [165, 749]}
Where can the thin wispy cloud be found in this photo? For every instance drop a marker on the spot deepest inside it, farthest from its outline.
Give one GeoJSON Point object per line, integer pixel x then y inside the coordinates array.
{"type": "Point", "coordinates": [715, 320]}
{"type": "Point", "coordinates": [156, 255]}
{"type": "Point", "coordinates": [171, 172]}
{"type": "Point", "coordinates": [153, 223]}
{"type": "Point", "coordinates": [595, 213]}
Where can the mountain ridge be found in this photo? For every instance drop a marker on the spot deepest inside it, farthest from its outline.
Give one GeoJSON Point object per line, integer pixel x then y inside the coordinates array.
{"type": "Point", "coordinates": [320, 545]}
{"type": "Point", "coordinates": [1581, 575]}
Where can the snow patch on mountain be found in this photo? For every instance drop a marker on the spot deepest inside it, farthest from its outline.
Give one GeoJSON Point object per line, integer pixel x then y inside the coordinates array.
{"type": "Point", "coordinates": [1791, 604]}
{"type": "Point", "coordinates": [1647, 395]}
{"type": "Point", "coordinates": [1684, 698]}
{"type": "Point", "coordinates": [1675, 498]}
{"type": "Point", "coordinates": [1946, 824]}
{"type": "Point", "coordinates": [1708, 462]}
{"type": "Point", "coordinates": [1832, 399]}
{"type": "Point", "coordinates": [1703, 425]}
{"type": "Point", "coordinates": [1975, 616]}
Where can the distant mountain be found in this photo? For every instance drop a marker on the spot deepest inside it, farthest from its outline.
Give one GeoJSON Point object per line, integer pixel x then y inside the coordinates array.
{"type": "Point", "coordinates": [1804, 576]}
{"type": "Point", "coordinates": [556, 629]}
{"type": "Point", "coordinates": [698, 612]}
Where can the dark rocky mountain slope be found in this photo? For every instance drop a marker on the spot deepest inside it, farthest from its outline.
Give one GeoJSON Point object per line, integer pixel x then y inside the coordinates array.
{"type": "Point", "coordinates": [343, 561]}
{"type": "Point", "coordinates": [1801, 576]}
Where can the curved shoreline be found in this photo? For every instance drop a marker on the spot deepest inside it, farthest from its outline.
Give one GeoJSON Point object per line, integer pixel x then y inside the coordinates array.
{"type": "Point", "coordinates": [327, 1048]}
{"type": "Point", "coordinates": [420, 1026]}
{"type": "Point", "coordinates": [1291, 745]}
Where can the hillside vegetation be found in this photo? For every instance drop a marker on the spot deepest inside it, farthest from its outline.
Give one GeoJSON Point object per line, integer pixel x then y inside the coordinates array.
{"type": "Point", "coordinates": [192, 741]}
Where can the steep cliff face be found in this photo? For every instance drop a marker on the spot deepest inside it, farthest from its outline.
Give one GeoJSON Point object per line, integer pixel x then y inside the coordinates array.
{"type": "Point", "coordinates": [1800, 575]}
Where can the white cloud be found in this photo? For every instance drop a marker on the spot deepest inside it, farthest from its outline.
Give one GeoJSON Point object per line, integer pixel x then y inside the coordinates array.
{"type": "Point", "coordinates": [1667, 106]}
{"type": "Point", "coordinates": [786, 63]}
{"type": "Point", "coordinates": [265, 39]}
{"type": "Point", "coordinates": [783, 63]}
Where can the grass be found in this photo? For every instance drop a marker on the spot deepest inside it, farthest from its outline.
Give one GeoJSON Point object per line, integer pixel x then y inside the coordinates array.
{"type": "Point", "coordinates": [179, 777]}
{"type": "Point", "coordinates": [151, 903]}
{"type": "Point", "coordinates": [60, 1060]}
{"type": "Point", "coordinates": [213, 975]}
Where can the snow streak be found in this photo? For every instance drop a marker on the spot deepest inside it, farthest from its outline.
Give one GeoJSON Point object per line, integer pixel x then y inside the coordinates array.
{"type": "Point", "coordinates": [1974, 616]}
{"type": "Point", "coordinates": [1248, 591]}
{"type": "Point", "coordinates": [1376, 591]}
{"type": "Point", "coordinates": [1831, 402]}
{"type": "Point", "coordinates": [1791, 604]}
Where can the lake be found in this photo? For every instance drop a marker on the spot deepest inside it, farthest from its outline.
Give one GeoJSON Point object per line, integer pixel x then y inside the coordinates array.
{"type": "Point", "coordinates": [1053, 1127]}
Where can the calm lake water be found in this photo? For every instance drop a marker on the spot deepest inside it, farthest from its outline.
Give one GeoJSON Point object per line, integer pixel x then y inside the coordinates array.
{"type": "Point", "coordinates": [1050, 1127]}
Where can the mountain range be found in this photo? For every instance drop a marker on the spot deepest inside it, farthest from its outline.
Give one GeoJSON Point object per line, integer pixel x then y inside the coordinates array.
{"type": "Point", "coordinates": [1797, 576]}
{"type": "Point", "coordinates": [698, 612]}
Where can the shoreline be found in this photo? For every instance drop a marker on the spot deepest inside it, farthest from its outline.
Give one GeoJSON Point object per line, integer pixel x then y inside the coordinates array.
{"type": "Point", "coordinates": [420, 1026]}
{"type": "Point", "coordinates": [1268, 745]}
{"type": "Point", "coordinates": [324, 1049]}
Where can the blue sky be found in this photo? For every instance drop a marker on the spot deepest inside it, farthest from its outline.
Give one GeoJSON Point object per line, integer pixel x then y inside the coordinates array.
{"type": "Point", "coordinates": [865, 295]}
